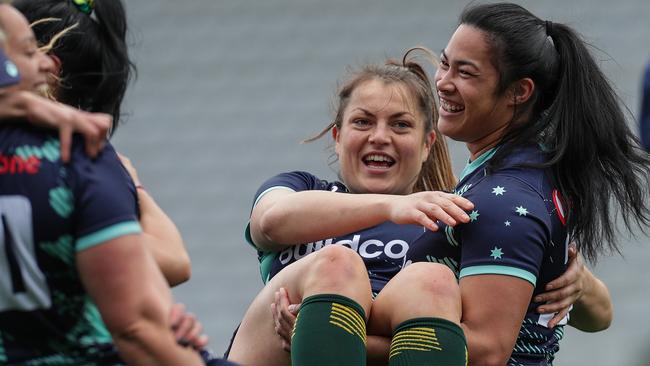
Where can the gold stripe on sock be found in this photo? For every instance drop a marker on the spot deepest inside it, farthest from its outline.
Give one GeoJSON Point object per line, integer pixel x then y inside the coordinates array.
{"type": "Point", "coordinates": [353, 314]}
{"type": "Point", "coordinates": [293, 331]}
{"type": "Point", "coordinates": [348, 318]}
{"type": "Point", "coordinates": [416, 339]}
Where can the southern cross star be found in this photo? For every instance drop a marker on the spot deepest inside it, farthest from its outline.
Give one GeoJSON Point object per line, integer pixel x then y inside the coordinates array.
{"type": "Point", "coordinates": [473, 216]}
{"type": "Point", "coordinates": [521, 211]}
{"type": "Point", "coordinates": [496, 253]}
{"type": "Point", "coordinates": [498, 191]}
{"type": "Point", "coordinates": [507, 223]}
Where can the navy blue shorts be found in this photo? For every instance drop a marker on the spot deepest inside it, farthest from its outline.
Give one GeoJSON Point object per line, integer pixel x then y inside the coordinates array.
{"type": "Point", "coordinates": [212, 360]}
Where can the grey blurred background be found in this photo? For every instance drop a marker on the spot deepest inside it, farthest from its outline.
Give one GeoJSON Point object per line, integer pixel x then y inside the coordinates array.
{"type": "Point", "coordinates": [227, 89]}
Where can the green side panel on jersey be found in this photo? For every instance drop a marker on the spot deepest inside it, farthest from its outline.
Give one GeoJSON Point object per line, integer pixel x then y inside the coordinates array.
{"type": "Point", "coordinates": [61, 200]}
{"type": "Point", "coordinates": [91, 330]}
{"type": "Point", "coordinates": [50, 151]}
{"type": "Point", "coordinates": [265, 265]}
{"type": "Point", "coordinates": [108, 233]}
{"type": "Point", "coordinates": [62, 249]}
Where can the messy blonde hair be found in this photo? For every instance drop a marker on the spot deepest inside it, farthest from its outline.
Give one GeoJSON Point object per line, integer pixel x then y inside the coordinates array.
{"type": "Point", "coordinates": [436, 173]}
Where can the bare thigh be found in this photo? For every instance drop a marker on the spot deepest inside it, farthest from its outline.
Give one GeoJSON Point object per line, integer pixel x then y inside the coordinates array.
{"type": "Point", "coordinates": [332, 269]}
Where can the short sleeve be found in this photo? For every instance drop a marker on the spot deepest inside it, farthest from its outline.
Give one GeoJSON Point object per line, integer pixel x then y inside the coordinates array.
{"type": "Point", "coordinates": [295, 181]}
{"type": "Point", "coordinates": [105, 198]}
{"type": "Point", "coordinates": [508, 230]}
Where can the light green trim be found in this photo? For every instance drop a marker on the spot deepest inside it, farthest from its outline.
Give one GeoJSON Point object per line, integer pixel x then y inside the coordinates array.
{"type": "Point", "coordinates": [500, 270]}
{"type": "Point", "coordinates": [247, 230]}
{"type": "Point", "coordinates": [269, 190]}
{"type": "Point", "coordinates": [472, 165]}
{"type": "Point", "coordinates": [108, 233]}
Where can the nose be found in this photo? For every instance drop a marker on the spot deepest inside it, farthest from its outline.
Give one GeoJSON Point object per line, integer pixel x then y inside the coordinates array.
{"type": "Point", "coordinates": [443, 80]}
{"type": "Point", "coordinates": [380, 134]}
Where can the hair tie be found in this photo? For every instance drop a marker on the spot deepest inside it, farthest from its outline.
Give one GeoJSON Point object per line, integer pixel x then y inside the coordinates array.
{"type": "Point", "coordinates": [85, 6]}
{"type": "Point", "coordinates": [549, 28]}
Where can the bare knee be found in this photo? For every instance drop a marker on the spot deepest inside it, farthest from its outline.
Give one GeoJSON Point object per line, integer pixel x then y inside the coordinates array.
{"type": "Point", "coordinates": [431, 278]}
{"type": "Point", "coordinates": [337, 269]}
{"type": "Point", "coordinates": [423, 289]}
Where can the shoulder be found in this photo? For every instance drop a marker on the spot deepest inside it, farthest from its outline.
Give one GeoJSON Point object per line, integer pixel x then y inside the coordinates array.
{"type": "Point", "coordinates": [298, 181]}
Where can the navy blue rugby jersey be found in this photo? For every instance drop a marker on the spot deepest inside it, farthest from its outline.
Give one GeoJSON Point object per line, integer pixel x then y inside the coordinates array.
{"type": "Point", "coordinates": [517, 228]}
{"type": "Point", "coordinates": [50, 211]}
{"type": "Point", "coordinates": [383, 247]}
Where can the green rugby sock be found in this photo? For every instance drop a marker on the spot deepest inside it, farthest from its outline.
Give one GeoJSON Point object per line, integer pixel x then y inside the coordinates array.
{"type": "Point", "coordinates": [428, 341]}
{"type": "Point", "coordinates": [330, 330]}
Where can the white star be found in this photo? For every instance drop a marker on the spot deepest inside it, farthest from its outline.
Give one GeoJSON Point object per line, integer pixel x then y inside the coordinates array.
{"type": "Point", "coordinates": [498, 190]}
{"type": "Point", "coordinates": [507, 223]}
{"type": "Point", "coordinates": [521, 211]}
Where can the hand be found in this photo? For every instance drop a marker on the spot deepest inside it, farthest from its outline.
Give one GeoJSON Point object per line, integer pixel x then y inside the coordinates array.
{"type": "Point", "coordinates": [284, 317]}
{"type": "Point", "coordinates": [93, 126]}
{"type": "Point", "coordinates": [187, 329]}
{"type": "Point", "coordinates": [130, 168]}
{"type": "Point", "coordinates": [424, 208]}
{"type": "Point", "coordinates": [565, 290]}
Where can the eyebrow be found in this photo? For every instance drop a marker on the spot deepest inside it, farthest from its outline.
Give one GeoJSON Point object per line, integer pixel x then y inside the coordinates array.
{"type": "Point", "coordinates": [394, 115]}
{"type": "Point", "coordinates": [461, 62]}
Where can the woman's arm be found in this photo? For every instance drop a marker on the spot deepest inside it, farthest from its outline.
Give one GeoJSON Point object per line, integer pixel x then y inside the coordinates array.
{"type": "Point", "coordinates": [282, 217]}
{"type": "Point", "coordinates": [493, 311]}
{"type": "Point", "coordinates": [43, 112]}
{"type": "Point", "coordinates": [160, 234]}
{"type": "Point", "coordinates": [592, 304]}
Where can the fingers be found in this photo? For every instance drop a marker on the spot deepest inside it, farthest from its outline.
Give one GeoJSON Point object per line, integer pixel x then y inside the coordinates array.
{"type": "Point", "coordinates": [463, 203]}
{"type": "Point", "coordinates": [424, 220]}
{"type": "Point", "coordinates": [449, 208]}
{"type": "Point", "coordinates": [65, 138]}
{"type": "Point", "coordinates": [186, 328]}
{"type": "Point", "coordinates": [569, 276]}
{"type": "Point", "coordinates": [558, 317]}
{"type": "Point", "coordinates": [284, 317]}
{"type": "Point", "coordinates": [175, 315]}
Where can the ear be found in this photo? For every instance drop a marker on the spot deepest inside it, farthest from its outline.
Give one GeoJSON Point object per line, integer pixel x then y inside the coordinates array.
{"type": "Point", "coordinates": [335, 136]}
{"type": "Point", "coordinates": [57, 64]}
{"type": "Point", "coordinates": [429, 140]}
{"type": "Point", "coordinates": [522, 90]}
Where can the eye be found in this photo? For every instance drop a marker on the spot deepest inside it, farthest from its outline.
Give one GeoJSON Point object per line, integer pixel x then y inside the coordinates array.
{"type": "Point", "coordinates": [465, 73]}
{"type": "Point", "coordinates": [401, 125]}
{"type": "Point", "coordinates": [360, 122]}
{"type": "Point", "coordinates": [443, 64]}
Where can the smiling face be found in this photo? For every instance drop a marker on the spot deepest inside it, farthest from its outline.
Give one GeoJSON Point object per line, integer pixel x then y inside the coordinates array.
{"type": "Point", "coordinates": [470, 109]}
{"type": "Point", "coordinates": [22, 49]}
{"type": "Point", "coordinates": [381, 143]}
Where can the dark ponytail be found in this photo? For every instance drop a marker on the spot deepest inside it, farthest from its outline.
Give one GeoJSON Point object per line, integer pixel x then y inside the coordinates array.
{"type": "Point", "coordinates": [91, 45]}
{"type": "Point", "coordinates": [575, 114]}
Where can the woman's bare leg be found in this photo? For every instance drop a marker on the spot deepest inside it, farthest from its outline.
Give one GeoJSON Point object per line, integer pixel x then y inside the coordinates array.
{"type": "Point", "coordinates": [331, 270]}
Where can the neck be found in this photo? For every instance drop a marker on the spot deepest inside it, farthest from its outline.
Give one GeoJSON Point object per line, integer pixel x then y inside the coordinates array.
{"type": "Point", "coordinates": [485, 143]}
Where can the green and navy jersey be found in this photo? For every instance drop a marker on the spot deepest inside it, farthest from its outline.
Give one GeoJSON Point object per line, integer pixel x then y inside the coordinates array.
{"type": "Point", "coordinates": [517, 228]}
{"type": "Point", "coordinates": [383, 247]}
{"type": "Point", "coordinates": [49, 212]}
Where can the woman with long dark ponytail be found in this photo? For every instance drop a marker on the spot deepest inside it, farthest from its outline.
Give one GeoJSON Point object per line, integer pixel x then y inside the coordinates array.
{"type": "Point", "coordinates": [87, 42]}
{"type": "Point", "coordinates": [551, 159]}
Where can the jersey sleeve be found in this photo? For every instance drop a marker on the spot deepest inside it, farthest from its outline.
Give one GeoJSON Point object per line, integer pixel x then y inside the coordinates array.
{"type": "Point", "coordinates": [295, 181]}
{"type": "Point", "coordinates": [508, 230]}
{"type": "Point", "coordinates": [105, 198]}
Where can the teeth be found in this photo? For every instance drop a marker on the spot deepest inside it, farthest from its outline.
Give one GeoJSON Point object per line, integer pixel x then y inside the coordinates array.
{"type": "Point", "coordinates": [379, 158]}
{"type": "Point", "coordinates": [450, 107]}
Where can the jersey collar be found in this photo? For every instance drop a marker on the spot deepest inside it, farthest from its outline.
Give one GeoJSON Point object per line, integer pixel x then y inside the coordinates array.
{"type": "Point", "coordinates": [473, 165]}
